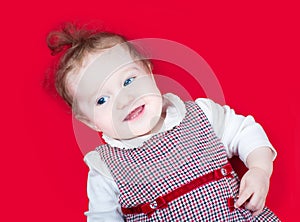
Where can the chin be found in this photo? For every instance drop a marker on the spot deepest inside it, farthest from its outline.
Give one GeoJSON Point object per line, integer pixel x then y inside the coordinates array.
{"type": "Point", "coordinates": [138, 128]}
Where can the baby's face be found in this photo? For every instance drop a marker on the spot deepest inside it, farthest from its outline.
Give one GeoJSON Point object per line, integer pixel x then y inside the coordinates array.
{"type": "Point", "coordinates": [123, 104]}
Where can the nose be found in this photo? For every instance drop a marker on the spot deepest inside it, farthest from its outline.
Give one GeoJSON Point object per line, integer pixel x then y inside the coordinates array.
{"type": "Point", "coordinates": [123, 100]}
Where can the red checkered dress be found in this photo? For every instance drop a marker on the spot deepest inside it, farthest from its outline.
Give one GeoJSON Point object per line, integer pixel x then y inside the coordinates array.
{"type": "Point", "coordinates": [170, 160]}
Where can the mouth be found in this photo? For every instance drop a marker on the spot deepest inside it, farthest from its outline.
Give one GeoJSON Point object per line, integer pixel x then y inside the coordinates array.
{"type": "Point", "coordinates": [135, 113]}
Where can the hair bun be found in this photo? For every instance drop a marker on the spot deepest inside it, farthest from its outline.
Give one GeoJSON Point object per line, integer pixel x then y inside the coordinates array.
{"type": "Point", "coordinates": [70, 35]}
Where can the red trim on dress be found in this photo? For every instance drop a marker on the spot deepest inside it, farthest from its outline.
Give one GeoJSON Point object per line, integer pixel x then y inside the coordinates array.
{"type": "Point", "coordinates": [162, 201]}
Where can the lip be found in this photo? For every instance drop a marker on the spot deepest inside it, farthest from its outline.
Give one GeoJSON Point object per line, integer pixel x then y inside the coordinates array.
{"type": "Point", "coordinates": [135, 113]}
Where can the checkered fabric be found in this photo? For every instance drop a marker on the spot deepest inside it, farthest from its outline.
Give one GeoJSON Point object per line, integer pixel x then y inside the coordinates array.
{"type": "Point", "coordinates": [171, 159]}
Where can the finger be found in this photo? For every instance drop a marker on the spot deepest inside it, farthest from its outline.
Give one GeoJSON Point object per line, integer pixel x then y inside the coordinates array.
{"type": "Point", "coordinates": [252, 207]}
{"type": "Point", "coordinates": [243, 197]}
{"type": "Point", "coordinates": [258, 212]}
{"type": "Point", "coordinates": [256, 205]}
{"type": "Point", "coordinates": [257, 200]}
{"type": "Point", "coordinates": [241, 190]}
{"type": "Point", "coordinates": [255, 208]}
{"type": "Point", "coordinates": [242, 186]}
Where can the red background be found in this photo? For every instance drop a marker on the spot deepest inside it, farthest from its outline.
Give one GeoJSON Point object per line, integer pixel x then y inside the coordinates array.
{"type": "Point", "coordinates": [253, 48]}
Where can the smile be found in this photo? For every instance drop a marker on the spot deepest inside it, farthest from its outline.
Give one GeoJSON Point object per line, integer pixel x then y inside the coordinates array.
{"type": "Point", "coordinates": [135, 113]}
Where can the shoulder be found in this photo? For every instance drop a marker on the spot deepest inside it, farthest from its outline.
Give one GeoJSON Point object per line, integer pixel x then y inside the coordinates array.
{"type": "Point", "coordinates": [210, 107]}
{"type": "Point", "coordinates": [205, 104]}
{"type": "Point", "coordinates": [95, 163]}
{"type": "Point", "coordinates": [214, 112]}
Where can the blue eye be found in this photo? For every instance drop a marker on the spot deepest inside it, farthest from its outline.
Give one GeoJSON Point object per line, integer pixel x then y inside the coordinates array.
{"type": "Point", "coordinates": [102, 100]}
{"type": "Point", "coordinates": [128, 81]}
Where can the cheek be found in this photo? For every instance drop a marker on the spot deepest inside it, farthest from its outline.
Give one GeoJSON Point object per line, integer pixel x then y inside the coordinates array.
{"type": "Point", "coordinates": [109, 123]}
{"type": "Point", "coordinates": [103, 119]}
{"type": "Point", "coordinates": [154, 107]}
{"type": "Point", "coordinates": [157, 104]}
{"type": "Point", "coordinates": [146, 84]}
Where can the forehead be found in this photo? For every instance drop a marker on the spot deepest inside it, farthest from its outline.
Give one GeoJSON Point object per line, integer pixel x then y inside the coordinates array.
{"type": "Point", "coordinates": [98, 69]}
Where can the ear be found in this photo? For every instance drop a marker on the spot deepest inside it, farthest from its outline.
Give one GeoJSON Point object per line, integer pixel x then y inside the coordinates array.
{"type": "Point", "coordinates": [87, 122]}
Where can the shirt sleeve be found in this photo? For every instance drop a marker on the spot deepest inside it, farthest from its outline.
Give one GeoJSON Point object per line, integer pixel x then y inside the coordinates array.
{"type": "Point", "coordinates": [239, 134]}
{"type": "Point", "coordinates": [102, 192]}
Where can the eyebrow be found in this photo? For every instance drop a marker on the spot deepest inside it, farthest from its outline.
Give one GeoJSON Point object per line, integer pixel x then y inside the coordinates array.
{"type": "Point", "coordinates": [128, 68]}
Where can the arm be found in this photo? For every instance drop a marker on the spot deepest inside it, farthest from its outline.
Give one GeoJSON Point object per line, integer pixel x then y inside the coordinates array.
{"type": "Point", "coordinates": [240, 134]}
{"type": "Point", "coordinates": [255, 183]}
{"type": "Point", "coordinates": [244, 137]}
{"type": "Point", "coordinates": [102, 193]}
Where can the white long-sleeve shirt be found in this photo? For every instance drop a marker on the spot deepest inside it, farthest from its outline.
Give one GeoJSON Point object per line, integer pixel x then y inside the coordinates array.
{"type": "Point", "coordinates": [239, 134]}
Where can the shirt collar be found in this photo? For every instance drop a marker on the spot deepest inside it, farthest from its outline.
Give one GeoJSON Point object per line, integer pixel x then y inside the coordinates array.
{"type": "Point", "coordinates": [175, 112]}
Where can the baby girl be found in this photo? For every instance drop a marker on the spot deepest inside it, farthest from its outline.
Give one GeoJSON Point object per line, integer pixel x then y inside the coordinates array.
{"type": "Point", "coordinates": [164, 159]}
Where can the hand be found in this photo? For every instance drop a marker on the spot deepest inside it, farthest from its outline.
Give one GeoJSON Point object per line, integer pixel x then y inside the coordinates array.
{"type": "Point", "coordinates": [253, 190]}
